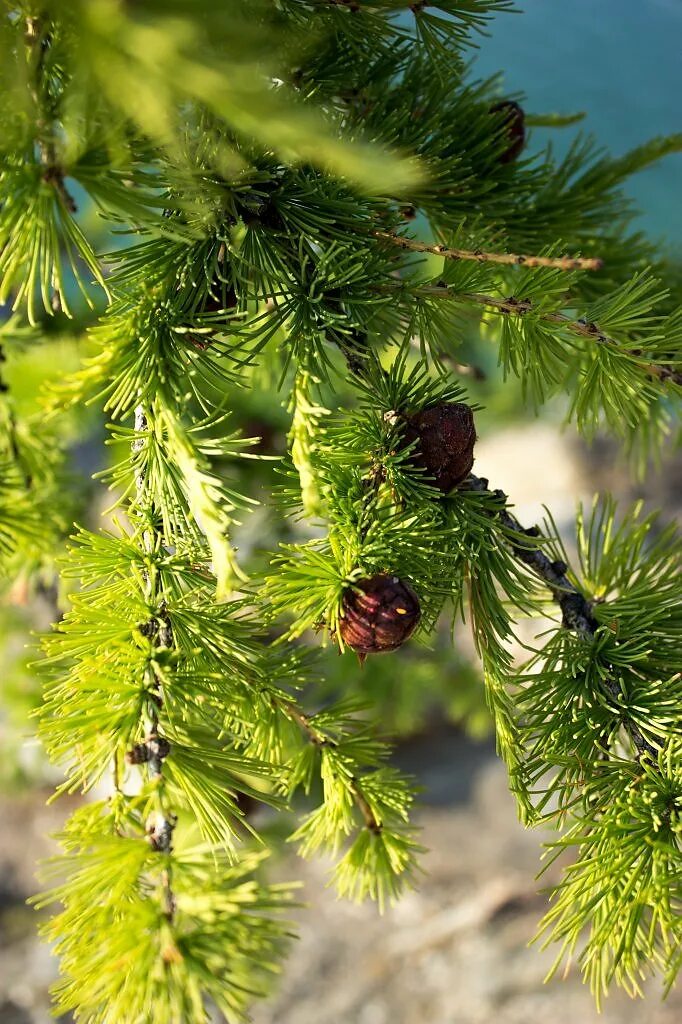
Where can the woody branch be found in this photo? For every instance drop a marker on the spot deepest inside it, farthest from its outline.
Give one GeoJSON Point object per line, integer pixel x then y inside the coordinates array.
{"type": "Point", "coordinates": [480, 256]}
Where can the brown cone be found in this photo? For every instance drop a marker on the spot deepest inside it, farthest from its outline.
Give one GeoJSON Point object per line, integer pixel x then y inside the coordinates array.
{"type": "Point", "coordinates": [379, 614]}
{"type": "Point", "coordinates": [446, 436]}
{"type": "Point", "coordinates": [514, 128]}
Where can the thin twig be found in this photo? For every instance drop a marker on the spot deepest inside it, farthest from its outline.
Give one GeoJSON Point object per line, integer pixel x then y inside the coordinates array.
{"type": "Point", "coordinates": [506, 258]}
{"type": "Point", "coordinates": [303, 722]}
{"type": "Point", "coordinates": [584, 328]}
{"type": "Point", "coordinates": [576, 610]}
{"type": "Point", "coordinates": [320, 740]}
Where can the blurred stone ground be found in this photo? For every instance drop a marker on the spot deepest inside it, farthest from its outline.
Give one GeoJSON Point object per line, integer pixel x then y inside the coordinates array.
{"type": "Point", "coordinates": [453, 952]}
{"type": "Point", "coordinates": [27, 967]}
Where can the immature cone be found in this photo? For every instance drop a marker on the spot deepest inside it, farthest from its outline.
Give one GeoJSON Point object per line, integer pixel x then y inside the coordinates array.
{"type": "Point", "coordinates": [221, 296]}
{"type": "Point", "coordinates": [446, 436]}
{"type": "Point", "coordinates": [379, 614]}
{"type": "Point", "coordinates": [514, 126]}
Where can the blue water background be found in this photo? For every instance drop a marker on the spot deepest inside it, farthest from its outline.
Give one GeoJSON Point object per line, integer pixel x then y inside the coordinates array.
{"type": "Point", "coordinates": [618, 60]}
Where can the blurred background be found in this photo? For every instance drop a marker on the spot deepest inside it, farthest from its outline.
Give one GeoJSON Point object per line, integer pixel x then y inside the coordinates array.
{"type": "Point", "coordinates": [455, 951]}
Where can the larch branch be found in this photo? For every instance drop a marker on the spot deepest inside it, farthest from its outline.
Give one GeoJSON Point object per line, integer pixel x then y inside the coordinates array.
{"type": "Point", "coordinates": [320, 740]}
{"type": "Point", "coordinates": [504, 258]}
{"type": "Point", "coordinates": [153, 751]}
{"type": "Point", "coordinates": [583, 328]}
{"type": "Point", "coordinates": [575, 608]}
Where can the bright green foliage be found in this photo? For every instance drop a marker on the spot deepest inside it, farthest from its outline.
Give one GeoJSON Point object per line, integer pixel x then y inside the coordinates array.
{"type": "Point", "coordinates": [34, 510]}
{"type": "Point", "coordinates": [256, 165]}
{"type": "Point", "coordinates": [624, 885]}
{"type": "Point", "coordinates": [225, 922]}
{"type": "Point", "coordinates": [623, 816]}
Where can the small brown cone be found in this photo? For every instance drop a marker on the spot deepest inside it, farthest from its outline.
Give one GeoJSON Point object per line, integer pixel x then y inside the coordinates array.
{"type": "Point", "coordinates": [445, 436]}
{"type": "Point", "coordinates": [379, 614]}
{"type": "Point", "coordinates": [514, 128]}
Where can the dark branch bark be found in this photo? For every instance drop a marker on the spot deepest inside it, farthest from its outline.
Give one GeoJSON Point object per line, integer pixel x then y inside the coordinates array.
{"type": "Point", "coordinates": [576, 610]}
